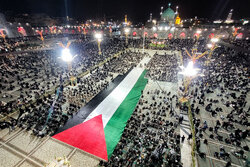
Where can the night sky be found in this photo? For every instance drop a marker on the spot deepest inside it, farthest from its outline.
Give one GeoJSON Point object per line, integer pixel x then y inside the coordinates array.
{"type": "Point", "coordinates": [137, 10]}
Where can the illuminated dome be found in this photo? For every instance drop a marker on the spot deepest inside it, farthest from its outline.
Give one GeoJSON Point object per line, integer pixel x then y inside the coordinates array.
{"type": "Point", "coordinates": [168, 14]}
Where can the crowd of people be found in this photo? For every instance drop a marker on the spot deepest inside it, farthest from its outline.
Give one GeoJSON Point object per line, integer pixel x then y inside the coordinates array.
{"type": "Point", "coordinates": [33, 78]}
{"type": "Point", "coordinates": [241, 43]}
{"type": "Point", "coordinates": [99, 78]}
{"type": "Point", "coordinates": [219, 105]}
{"type": "Point", "coordinates": [151, 137]}
{"type": "Point", "coordinates": [29, 83]}
{"type": "Point", "coordinates": [222, 92]}
{"type": "Point", "coordinates": [163, 67]}
{"type": "Point", "coordinates": [33, 83]}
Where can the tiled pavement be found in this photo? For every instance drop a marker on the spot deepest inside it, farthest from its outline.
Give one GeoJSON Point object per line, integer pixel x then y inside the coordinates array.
{"type": "Point", "coordinates": [20, 149]}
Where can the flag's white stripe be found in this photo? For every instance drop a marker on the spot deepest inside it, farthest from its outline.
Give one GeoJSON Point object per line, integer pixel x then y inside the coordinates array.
{"type": "Point", "coordinates": [111, 103]}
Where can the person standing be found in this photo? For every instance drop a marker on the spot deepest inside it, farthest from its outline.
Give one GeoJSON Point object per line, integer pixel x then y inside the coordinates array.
{"type": "Point", "coordinates": [182, 138]}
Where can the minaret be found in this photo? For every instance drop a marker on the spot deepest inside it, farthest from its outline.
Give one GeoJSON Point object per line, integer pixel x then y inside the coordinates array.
{"type": "Point", "coordinates": [161, 10]}
{"type": "Point", "coordinates": [150, 18]}
{"type": "Point", "coordinates": [176, 12]}
{"type": "Point", "coordinates": [229, 17]}
{"type": "Point", "coordinates": [126, 20]}
{"type": "Point", "coordinates": [177, 17]}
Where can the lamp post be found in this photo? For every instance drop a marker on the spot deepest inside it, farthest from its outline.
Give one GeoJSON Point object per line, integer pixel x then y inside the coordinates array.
{"type": "Point", "coordinates": [127, 30]}
{"type": "Point", "coordinates": [68, 58]}
{"type": "Point", "coordinates": [198, 32]}
{"type": "Point", "coordinates": [189, 73]}
{"type": "Point", "coordinates": [194, 55]}
{"type": "Point", "coordinates": [212, 46]}
{"type": "Point", "coordinates": [98, 37]}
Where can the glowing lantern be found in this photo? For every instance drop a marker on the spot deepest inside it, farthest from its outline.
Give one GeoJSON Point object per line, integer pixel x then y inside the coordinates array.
{"type": "Point", "coordinates": [134, 33]}
{"type": "Point", "coordinates": [155, 35]}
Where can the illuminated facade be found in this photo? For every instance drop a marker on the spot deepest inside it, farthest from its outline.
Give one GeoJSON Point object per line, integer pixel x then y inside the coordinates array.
{"type": "Point", "coordinates": [177, 20]}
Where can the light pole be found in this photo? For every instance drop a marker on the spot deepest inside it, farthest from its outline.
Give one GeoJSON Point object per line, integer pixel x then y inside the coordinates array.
{"type": "Point", "coordinates": [189, 73]}
{"type": "Point", "coordinates": [195, 56]}
{"type": "Point", "coordinates": [198, 33]}
{"type": "Point", "coordinates": [127, 30]}
{"type": "Point", "coordinates": [68, 58]}
{"type": "Point", "coordinates": [212, 46]}
{"type": "Point", "coordinates": [98, 37]}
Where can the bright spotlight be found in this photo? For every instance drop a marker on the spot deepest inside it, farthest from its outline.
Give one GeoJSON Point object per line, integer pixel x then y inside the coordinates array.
{"type": "Point", "coordinates": [189, 70]}
{"type": "Point", "coordinates": [160, 28]}
{"type": "Point", "coordinates": [198, 31]}
{"type": "Point", "coordinates": [98, 36]}
{"type": "Point", "coordinates": [127, 30]}
{"type": "Point", "coordinates": [214, 40]}
{"type": "Point", "coordinates": [154, 28]}
{"type": "Point", "coordinates": [209, 45]}
{"type": "Point", "coordinates": [66, 55]}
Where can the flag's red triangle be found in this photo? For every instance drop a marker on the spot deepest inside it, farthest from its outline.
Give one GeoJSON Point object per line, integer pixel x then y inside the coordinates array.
{"type": "Point", "coordinates": [88, 136]}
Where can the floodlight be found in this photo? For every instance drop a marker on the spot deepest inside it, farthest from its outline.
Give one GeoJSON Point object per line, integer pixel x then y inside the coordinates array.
{"type": "Point", "coordinates": [214, 40]}
{"type": "Point", "coordinates": [189, 70]}
{"type": "Point", "coordinates": [66, 55]}
{"type": "Point", "coordinates": [198, 31]}
{"type": "Point", "coordinates": [127, 30]}
{"type": "Point", "coordinates": [98, 36]}
{"type": "Point", "coordinates": [209, 45]}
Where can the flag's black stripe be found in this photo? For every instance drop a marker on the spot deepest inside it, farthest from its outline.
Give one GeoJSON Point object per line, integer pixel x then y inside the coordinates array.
{"type": "Point", "coordinates": [84, 112]}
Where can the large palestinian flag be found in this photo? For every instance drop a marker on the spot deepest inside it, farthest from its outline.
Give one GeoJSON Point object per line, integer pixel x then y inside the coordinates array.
{"type": "Point", "coordinates": [99, 133]}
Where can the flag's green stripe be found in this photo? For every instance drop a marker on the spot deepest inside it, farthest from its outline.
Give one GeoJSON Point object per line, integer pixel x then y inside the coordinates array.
{"type": "Point", "coordinates": [117, 123]}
